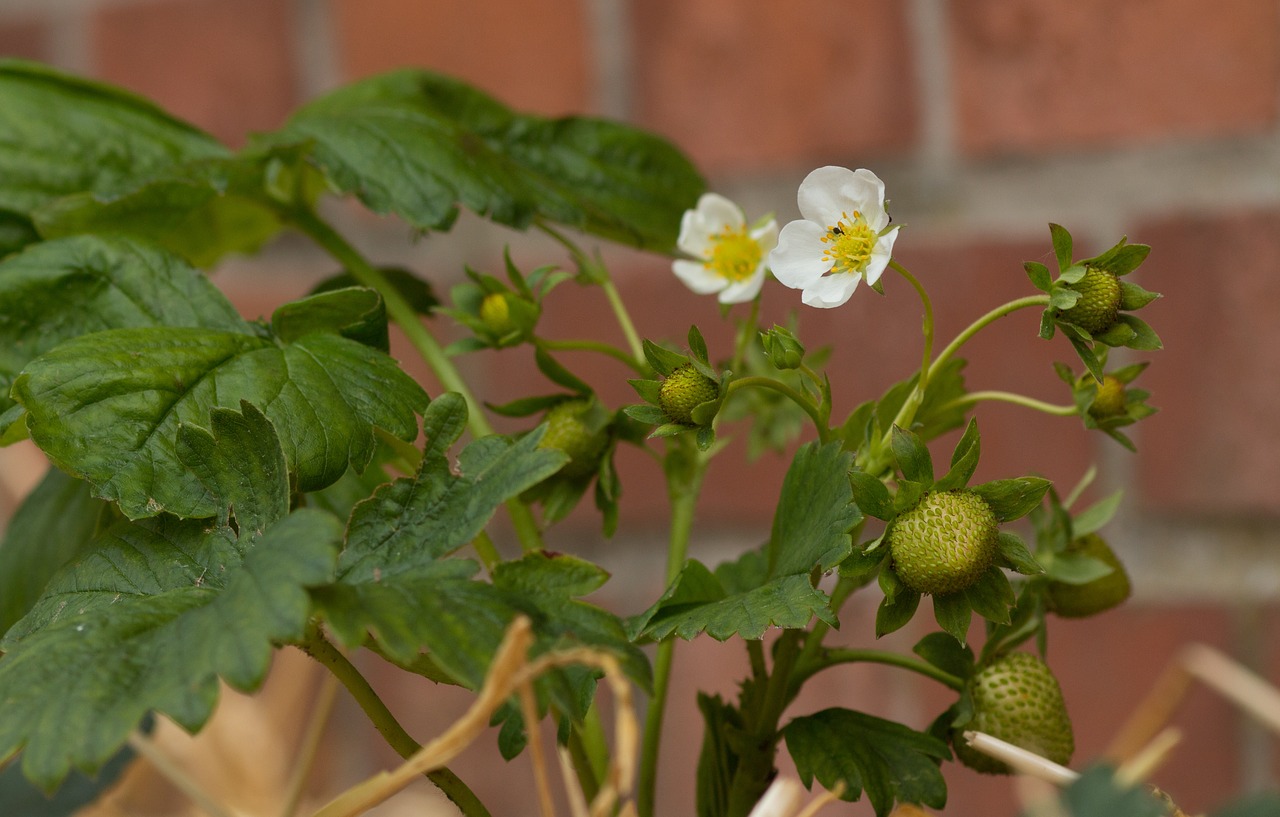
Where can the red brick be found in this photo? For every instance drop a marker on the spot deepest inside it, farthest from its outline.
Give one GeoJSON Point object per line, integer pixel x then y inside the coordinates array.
{"type": "Point", "coordinates": [27, 39]}
{"type": "Point", "coordinates": [533, 56]}
{"type": "Point", "coordinates": [743, 87]}
{"type": "Point", "coordinates": [1034, 75]}
{"type": "Point", "coordinates": [1211, 449]}
{"type": "Point", "coordinates": [224, 65]}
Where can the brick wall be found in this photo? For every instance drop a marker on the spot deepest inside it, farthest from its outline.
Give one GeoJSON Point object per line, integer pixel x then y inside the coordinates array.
{"type": "Point", "coordinates": [987, 119]}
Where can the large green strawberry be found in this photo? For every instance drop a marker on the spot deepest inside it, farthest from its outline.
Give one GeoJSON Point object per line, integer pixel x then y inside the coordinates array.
{"type": "Point", "coordinates": [569, 428]}
{"type": "Point", "coordinates": [1017, 699]}
{"type": "Point", "coordinates": [1099, 301]}
{"type": "Point", "coordinates": [945, 543]}
{"type": "Point", "coordinates": [1081, 600]}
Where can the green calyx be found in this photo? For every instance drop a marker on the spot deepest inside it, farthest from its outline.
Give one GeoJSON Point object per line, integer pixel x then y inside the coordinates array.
{"type": "Point", "coordinates": [685, 389]}
{"type": "Point", "coordinates": [569, 430]}
{"type": "Point", "coordinates": [1099, 301]}
{"type": "Point", "coordinates": [1016, 699]}
{"type": "Point", "coordinates": [1091, 598]}
{"type": "Point", "coordinates": [945, 543]}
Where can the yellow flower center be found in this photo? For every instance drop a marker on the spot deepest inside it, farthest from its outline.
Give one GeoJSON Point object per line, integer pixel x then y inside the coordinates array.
{"type": "Point", "coordinates": [849, 243]}
{"type": "Point", "coordinates": [735, 255]}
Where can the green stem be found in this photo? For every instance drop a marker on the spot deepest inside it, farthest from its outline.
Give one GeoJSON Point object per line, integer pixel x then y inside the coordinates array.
{"type": "Point", "coordinates": [422, 341]}
{"type": "Point", "coordinates": [683, 490]}
{"type": "Point", "coordinates": [928, 322]}
{"type": "Point", "coordinates": [791, 394]}
{"type": "Point", "coordinates": [486, 551]}
{"type": "Point", "coordinates": [624, 321]}
{"type": "Point", "coordinates": [975, 327]}
{"type": "Point", "coordinates": [396, 737]}
{"type": "Point", "coordinates": [744, 335]}
{"type": "Point", "coordinates": [833, 656]}
{"type": "Point", "coordinates": [1010, 397]}
{"type": "Point", "coordinates": [592, 346]}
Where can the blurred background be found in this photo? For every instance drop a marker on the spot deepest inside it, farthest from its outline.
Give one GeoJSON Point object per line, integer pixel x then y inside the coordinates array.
{"type": "Point", "coordinates": [987, 119]}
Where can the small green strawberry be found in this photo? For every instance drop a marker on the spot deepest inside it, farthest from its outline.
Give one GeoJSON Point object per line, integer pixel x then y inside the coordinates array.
{"type": "Point", "coordinates": [1110, 399]}
{"type": "Point", "coordinates": [1103, 593]}
{"type": "Point", "coordinates": [1016, 699]}
{"type": "Point", "coordinates": [682, 391]}
{"type": "Point", "coordinates": [495, 313]}
{"type": "Point", "coordinates": [568, 430]}
{"type": "Point", "coordinates": [945, 543]}
{"type": "Point", "coordinates": [1099, 301]}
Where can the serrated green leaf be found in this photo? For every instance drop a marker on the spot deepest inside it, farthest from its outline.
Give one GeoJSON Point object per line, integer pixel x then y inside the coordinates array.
{"type": "Point", "coordinates": [1012, 498]}
{"type": "Point", "coordinates": [964, 460]}
{"type": "Point", "coordinates": [241, 465]}
{"type": "Point", "coordinates": [61, 135]}
{"type": "Point", "coordinates": [357, 313]}
{"type": "Point", "coordinates": [1061, 239]}
{"type": "Point", "coordinates": [58, 290]}
{"type": "Point", "coordinates": [815, 512]}
{"type": "Point", "coordinates": [953, 614]}
{"type": "Point", "coordinates": [22, 799]}
{"type": "Point", "coordinates": [1015, 555]}
{"type": "Point", "coordinates": [323, 393]}
{"type": "Point", "coordinates": [53, 525]}
{"type": "Point", "coordinates": [421, 145]}
{"type": "Point", "coordinates": [890, 762]}
{"type": "Point", "coordinates": [149, 620]}
{"type": "Point", "coordinates": [945, 653]}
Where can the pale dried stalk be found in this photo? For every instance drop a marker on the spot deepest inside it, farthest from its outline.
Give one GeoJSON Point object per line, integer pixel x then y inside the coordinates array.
{"type": "Point", "coordinates": [1234, 682]}
{"type": "Point", "coordinates": [507, 674]}
{"type": "Point", "coordinates": [1150, 716]}
{"type": "Point", "coordinates": [1019, 759]}
{"type": "Point", "coordinates": [1145, 761]}
{"type": "Point", "coordinates": [577, 803]}
{"type": "Point", "coordinates": [822, 801]}
{"type": "Point", "coordinates": [529, 711]}
{"type": "Point", "coordinates": [176, 775]}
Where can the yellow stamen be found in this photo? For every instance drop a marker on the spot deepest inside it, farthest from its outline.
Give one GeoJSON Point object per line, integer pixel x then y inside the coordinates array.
{"type": "Point", "coordinates": [850, 242]}
{"type": "Point", "coordinates": [735, 255]}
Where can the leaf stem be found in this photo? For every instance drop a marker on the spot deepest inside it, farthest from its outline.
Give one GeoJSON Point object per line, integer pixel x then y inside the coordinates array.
{"type": "Point", "coordinates": [927, 328]}
{"type": "Point", "coordinates": [422, 341]}
{"type": "Point", "coordinates": [1011, 397]}
{"type": "Point", "coordinates": [756, 381]}
{"type": "Point", "coordinates": [838, 655]}
{"type": "Point", "coordinates": [990, 317]}
{"type": "Point", "coordinates": [745, 333]}
{"type": "Point", "coordinates": [319, 648]}
{"type": "Point", "coordinates": [683, 488]}
{"type": "Point", "coordinates": [593, 346]}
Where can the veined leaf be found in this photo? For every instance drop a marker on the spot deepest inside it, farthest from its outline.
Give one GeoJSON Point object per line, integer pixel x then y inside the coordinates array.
{"type": "Point", "coordinates": [421, 144]}
{"type": "Point", "coordinates": [889, 761]}
{"type": "Point", "coordinates": [815, 512]}
{"type": "Point", "coordinates": [108, 406]}
{"type": "Point", "coordinates": [61, 135]}
{"type": "Point", "coordinates": [59, 290]}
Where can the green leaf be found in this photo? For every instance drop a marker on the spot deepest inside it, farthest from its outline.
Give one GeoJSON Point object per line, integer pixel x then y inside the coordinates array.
{"type": "Point", "coordinates": [415, 291]}
{"type": "Point", "coordinates": [1255, 805]}
{"type": "Point", "coordinates": [356, 313]}
{"type": "Point", "coordinates": [815, 512]}
{"type": "Point", "coordinates": [1075, 568]}
{"type": "Point", "coordinates": [150, 619]}
{"type": "Point", "coordinates": [696, 602]}
{"type": "Point", "coordinates": [59, 290]}
{"type": "Point", "coordinates": [913, 458]}
{"type": "Point", "coordinates": [1144, 338]}
{"type": "Point", "coordinates": [1093, 518]}
{"type": "Point", "coordinates": [861, 566]}
{"type": "Point", "coordinates": [663, 360]}
{"type": "Point", "coordinates": [1061, 245]}
{"type": "Point", "coordinates": [559, 374]}
{"type": "Point", "coordinates": [16, 232]}
{"type": "Point", "coordinates": [898, 606]}
{"type": "Point", "coordinates": [953, 614]}
{"type": "Point", "coordinates": [945, 653]}
{"type": "Point", "coordinates": [991, 596]}
{"type": "Point", "coordinates": [1121, 259]}
{"type": "Point", "coordinates": [891, 762]}
{"type": "Point", "coordinates": [61, 135]}
{"type": "Point", "coordinates": [1013, 498]}
{"type": "Point", "coordinates": [1014, 553]}
{"type": "Point", "coordinates": [1134, 297]}
{"type": "Point", "coordinates": [871, 495]}
{"type": "Point", "coordinates": [420, 145]}
{"type": "Point", "coordinates": [698, 348]}
{"type": "Point", "coordinates": [964, 460]}
{"type": "Point", "coordinates": [240, 463]}
{"type": "Point", "coordinates": [1097, 792]}
{"type": "Point", "coordinates": [201, 210]}
{"type": "Point", "coordinates": [323, 393]}
{"type": "Point", "coordinates": [52, 526]}
{"type": "Point", "coordinates": [1039, 275]}
{"type": "Point", "coordinates": [22, 799]}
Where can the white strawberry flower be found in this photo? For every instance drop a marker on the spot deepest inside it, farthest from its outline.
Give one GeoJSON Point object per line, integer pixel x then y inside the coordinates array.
{"type": "Point", "coordinates": [843, 238]}
{"type": "Point", "coordinates": [730, 254]}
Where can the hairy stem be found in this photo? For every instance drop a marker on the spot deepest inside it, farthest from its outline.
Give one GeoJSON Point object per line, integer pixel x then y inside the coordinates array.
{"type": "Point", "coordinates": [836, 655]}
{"type": "Point", "coordinates": [989, 318]}
{"type": "Point", "coordinates": [593, 346]}
{"type": "Point", "coordinates": [319, 648]}
{"type": "Point", "coordinates": [814, 412]}
{"type": "Point", "coordinates": [1017, 399]}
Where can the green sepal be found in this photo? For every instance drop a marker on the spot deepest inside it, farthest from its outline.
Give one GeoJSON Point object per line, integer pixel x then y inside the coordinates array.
{"type": "Point", "coordinates": [1015, 555]}
{"type": "Point", "coordinates": [1085, 352]}
{"type": "Point", "coordinates": [1039, 275]}
{"type": "Point", "coordinates": [1075, 568]}
{"type": "Point", "coordinates": [953, 614]}
{"type": "Point", "coordinates": [415, 291]}
{"type": "Point", "coordinates": [782, 348]}
{"type": "Point", "coordinates": [1012, 498]}
{"type": "Point", "coordinates": [1061, 239]}
{"type": "Point", "coordinates": [945, 653]}
{"type": "Point", "coordinates": [1047, 325]}
{"type": "Point", "coordinates": [647, 413]}
{"type": "Point", "coordinates": [862, 565]}
{"type": "Point", "coordinates": [705, 438]}
{"type": "Point", "coordinates": [964, 460]}
{"type": "Point", "coordinates": [912, 457]}
{"type": "Point", "coordinates": [898, 606]}
{"type": "Point", "coordinates": [871, 495]}
{"type": "Point", "coordinates": [1063, 298]}
{"type": "Point", "coordinates": [527, 406]}
{"type": "Point", "coordinates": [991, 596]}
{"type": "Point", "coordinates": [558, 374]}
{"type": "Point", "coordinates": [1134, 297]}
{"type": "Point", "coordinates": [357, 313]}
{"type": "Point", "coordinates": [908, 496]}
{"type": "Point", "coordinates": [1121, 259]}
{"type": "Point", "coordinates": [698, 350]}
{"type": "Point", "coordinates": [664, 361]}
{"type": "Point", "coordinates": [1143, 338]}
{"type": "Point", "coordinates": [1093, 518]}
{"type": "Point", "coordinates": [649, 390]}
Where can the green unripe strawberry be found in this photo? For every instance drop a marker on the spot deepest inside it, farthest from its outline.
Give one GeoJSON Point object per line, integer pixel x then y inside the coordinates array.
{"type": "Point", "coordinates": [685, 389]}
{"type": "Point", "coordinates": [495, 313]}
{"type": "Point", "coordinates": [569, 431]}
{"type": "Point", "coordinates": [1109, 401]}
{"type": "Point", "coordinates": [1099, 301]}
{"type": "Point", "coordinates": [1103, 593]}
{"type": "Point", "coordinates": [1016, 699]}
{"type": "Point", "coordinates": [945, 543]}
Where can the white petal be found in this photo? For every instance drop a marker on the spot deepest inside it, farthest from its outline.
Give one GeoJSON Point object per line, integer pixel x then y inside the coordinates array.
{"type": "Point", "coordinates": [822, 197]}
{"type": "Point", "coordinates": [713, 214]}
{"type": "Point", "coordinates": [798, 259]}
{"type": "Point", "coordinates": [697, 277]}
{"type": "Point", "coordinates": [695, 237]}
{"type": "Point", "coordinates": [868, 191]}
{"type": "Point", "coordinates": [782, 799]}
{"type": "Point", "coordinates": [831, 290]}
{"type": "Point", "coordinates": [716, 209]}
{"type": "Point", "coordinates": [741, 291]}
{"type": "Point", "coordinates": [880, 256]}
{"type": "Point", "coordinates": [766, 235]}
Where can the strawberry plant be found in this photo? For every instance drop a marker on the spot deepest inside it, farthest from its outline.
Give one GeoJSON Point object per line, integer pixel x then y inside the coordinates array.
{"type": "Point", "coordinates": [224, 486]}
